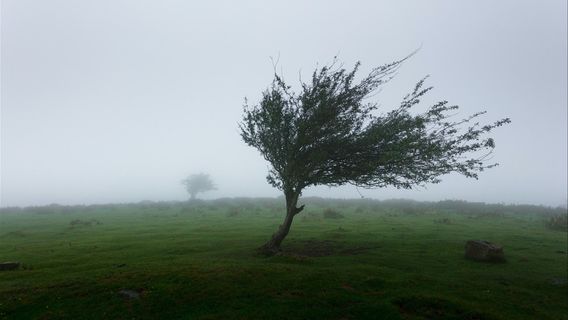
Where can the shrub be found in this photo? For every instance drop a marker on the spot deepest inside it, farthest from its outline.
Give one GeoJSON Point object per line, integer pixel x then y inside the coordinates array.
{"type": "Point", "coordinates": [443, 221]}
{"type": "Point", "coordinates": [233, 212]}
{"type": "Point", "coordinates": [558, 222]}
{"type": "Point", "coordinates": [186, 210]}
{"type": "Point", "coordinates": [332, 214]}
{"type": "Point", "coordinates": [85, 223]}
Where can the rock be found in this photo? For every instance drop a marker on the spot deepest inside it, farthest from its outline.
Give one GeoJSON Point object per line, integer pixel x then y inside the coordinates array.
{"type": "Point", "coordinates": [9, 266]}
{"type": "Point", "coordinates": [129, 294]}
{"type": "Point", "coordinates": [481, 250]}
{"type": "Point", "coordinates": [559, 282]}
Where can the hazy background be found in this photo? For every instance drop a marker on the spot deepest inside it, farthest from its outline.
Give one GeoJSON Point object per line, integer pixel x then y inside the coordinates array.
{"type": "Point", "coordinates": [117, 101]}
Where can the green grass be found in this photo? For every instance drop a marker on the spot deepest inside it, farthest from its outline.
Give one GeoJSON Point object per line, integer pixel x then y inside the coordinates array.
{"type": "Point", "coordinates": [198, 262]}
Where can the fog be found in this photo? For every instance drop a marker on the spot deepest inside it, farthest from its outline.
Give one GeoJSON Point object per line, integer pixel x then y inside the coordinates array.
{"type": "Point", "coordinates": [118, 101]}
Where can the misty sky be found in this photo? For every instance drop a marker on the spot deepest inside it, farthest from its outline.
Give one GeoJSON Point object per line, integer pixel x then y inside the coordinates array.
{"type": "Point", "coordinates": [117, 101]}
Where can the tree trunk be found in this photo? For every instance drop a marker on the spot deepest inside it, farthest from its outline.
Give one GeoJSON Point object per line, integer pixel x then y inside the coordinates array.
{"type": "Point", "coordinates": [272, 247]}
{"type": "Point", "coordinates": [192, 196]}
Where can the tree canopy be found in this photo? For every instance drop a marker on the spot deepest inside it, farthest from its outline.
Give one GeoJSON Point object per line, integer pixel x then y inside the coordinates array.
{"type": "Point", "coordinates": [330, 133]}
{"type": "Point", "coordinates": [197, 183]}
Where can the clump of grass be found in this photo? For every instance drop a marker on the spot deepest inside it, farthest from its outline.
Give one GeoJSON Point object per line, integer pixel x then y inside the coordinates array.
{"type": "Point", "coordinates": [443, 221]}
{"type": "Point", "coordinates": [310, 216]}
{"type": "Point", "coordinates": [489, 215]}
{"type": "Point", "coordinates": [233, 212]}
{"type": "Point", "coordinates": [412, 211]}
{"type": "Point", "coordinates": [360, 209]}
{"type": "Point", "coordinates": [558, 222]}
{"type": "Point", "coordinates": [18, 233]}
{"type": "Point", "coordinates": [276, 209]}
{"type": "Point", "coordinates": [332, 214]}
{"type": "Point", "coordinates": [186, 210]}
{"type": "Point", "coordinates": [84, 223]}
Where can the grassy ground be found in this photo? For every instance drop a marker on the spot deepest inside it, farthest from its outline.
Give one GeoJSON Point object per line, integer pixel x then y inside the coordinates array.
{"type": "Point", "coordinates": [198, 262]}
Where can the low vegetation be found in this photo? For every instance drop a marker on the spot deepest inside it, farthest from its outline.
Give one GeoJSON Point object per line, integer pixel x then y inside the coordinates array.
{"type": "Point", "coordinates": [383, 260]}
{"type": "Point", "coordinates": [558, 222]}
{"type": "Point", "coordinates": [332, 214]}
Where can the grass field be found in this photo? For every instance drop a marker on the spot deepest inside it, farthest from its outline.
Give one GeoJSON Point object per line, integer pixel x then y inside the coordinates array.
{"type": "Point", "coordinates": [381, 260]}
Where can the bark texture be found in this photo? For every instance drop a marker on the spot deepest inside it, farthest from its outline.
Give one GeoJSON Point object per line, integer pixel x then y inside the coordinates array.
{"type": "Point", "coordinates": [272, 246]}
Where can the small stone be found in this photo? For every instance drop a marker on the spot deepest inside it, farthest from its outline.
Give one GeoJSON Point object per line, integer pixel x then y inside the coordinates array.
{"type": "Point", "coordinates": [4, 266]}
{"type": "Point", "coordinates": [129, 294]}
{"type": "Point", "coordinates": [559, 282]}
{"type": "Point", "coordinates": [481, 250]}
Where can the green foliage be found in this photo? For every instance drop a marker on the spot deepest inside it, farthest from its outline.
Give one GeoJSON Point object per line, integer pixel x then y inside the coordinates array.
{"type": "Point", "coordinates": [329, 134]}
{"type": "Point", "coordinates": [197, 183]}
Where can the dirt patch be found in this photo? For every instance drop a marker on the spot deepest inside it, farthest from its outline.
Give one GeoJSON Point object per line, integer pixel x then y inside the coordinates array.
{"type": "Point", "coordinates": [348, 287]}
{"type": "Point", "coordinates": [288, 294]}
{"type": "Point", "coordinates": [323, 248]}
{"type": "Point", "coordinates": [358, 250]}
{"type": "Point", "coordinates": [312, 248]}
{"type": "Point", "coordinates": [6, 266]}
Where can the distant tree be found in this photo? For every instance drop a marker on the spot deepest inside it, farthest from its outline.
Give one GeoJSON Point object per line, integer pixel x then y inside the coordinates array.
{"type": "Point", "coordinates": [197, 183]}
{"type": "Point", "coordinates": [328, 134]}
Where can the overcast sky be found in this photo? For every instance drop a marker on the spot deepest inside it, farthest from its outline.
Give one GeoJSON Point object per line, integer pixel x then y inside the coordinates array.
{"type": "Point", "coordinates": [117, 101]}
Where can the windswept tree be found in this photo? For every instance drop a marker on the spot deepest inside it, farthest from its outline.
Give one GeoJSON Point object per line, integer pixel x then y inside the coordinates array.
{"type": "Point", "coordinates": [329, 134]}
{"type": "Point", "coordinates": [197, 183]}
